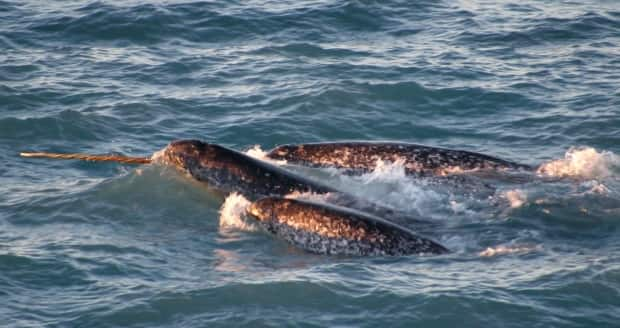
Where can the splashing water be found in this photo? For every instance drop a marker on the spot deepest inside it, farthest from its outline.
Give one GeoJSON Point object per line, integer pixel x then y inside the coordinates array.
{"type": "Point", "coordinates": [131, 249]}
{"type": "Point", "coordinates": [581, 162]}
{"type": "Point", "coordinates": [430, 197]}
{"type": "Point", "coordinates": [258, 153]}
{"type": "Point", "coordinates": [158, 156]}
{"type": "Point", "coordinates": [233, 211]}
{"type": "Point", "coordinates": [596, 187]}
{"type": "Point", "coordinates": [389, 185]}
{"type": "Point", "coordinates": [387, 171]}
{"type": "Point", "coordinates": [516, 197]}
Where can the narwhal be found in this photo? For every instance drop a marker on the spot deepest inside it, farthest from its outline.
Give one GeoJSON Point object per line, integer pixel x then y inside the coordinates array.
{"type": "Point", "coordinates": [328, 229]}
{"type": "Point", "coordinates": [219, 167]}
{"type": "Point", "coordinates": [362, 156]}
{"type": "Point", "coordinates": [229, 171]}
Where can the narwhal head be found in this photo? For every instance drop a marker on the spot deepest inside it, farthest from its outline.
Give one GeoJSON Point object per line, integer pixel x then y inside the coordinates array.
{"type": "Point", "coordinates": [185, 154]}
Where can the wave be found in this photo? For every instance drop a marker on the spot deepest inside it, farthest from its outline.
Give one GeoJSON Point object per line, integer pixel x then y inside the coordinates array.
{"type": "Point", "coordinates": [589, 26]}
{"type": "Point", "coordinates": [33, 271]}
{"type": "Point", "coordinates": [208, 22]}
{"type": "Point", "coordinates": [65, 125]}
{"type": "Point", "coordinates": [466, 101]}
{"type": "Point", "coordinates": [311, 50]}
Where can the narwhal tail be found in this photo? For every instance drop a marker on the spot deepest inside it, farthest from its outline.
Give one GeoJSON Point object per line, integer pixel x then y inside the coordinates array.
{"type": "Point", "coordinates": [86, 157]}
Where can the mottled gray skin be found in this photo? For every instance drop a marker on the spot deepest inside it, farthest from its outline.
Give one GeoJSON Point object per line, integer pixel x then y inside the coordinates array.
{"type": "Point", "coordinates": [228, 170]}
{"type": "Point", "coordinates": [333, 230]}
{"type": "Point", "coordinates": [363, 156]}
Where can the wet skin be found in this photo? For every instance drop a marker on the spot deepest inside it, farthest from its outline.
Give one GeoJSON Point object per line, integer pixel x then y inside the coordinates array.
{"type": "Point", "coordinates": [231, 171]}
{"type": "Point", "coordinates": [333, 230]}
{"type": "Point", "coordinates": [227, 170]}
{"type": "Point", "coordinates": [363, 157]}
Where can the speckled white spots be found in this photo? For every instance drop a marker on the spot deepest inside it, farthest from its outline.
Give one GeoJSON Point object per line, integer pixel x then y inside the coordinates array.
{"type": "Point", "coordinates": [311, 196]}
{"type": "Point", "coordinates": [414, 158]}
{"type": "Point", "coordinates": [336, 245]}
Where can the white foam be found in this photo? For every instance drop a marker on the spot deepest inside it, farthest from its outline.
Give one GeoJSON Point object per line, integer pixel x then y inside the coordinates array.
{"type": "Point", "coordinates": [389, 185]}
{"type": "Point", "coordinates": [158, 156]}
{"type": "Point", "coordinates": [233, 211]}
{"type": "Point", "coordinates": [459, 243]}
{"type": "Point", "coordinates": [509, 249]}
{"type": "Point", "coordinates": [387, 171]}
{"type": "Point", "coordinates": [258, 153]}
{"type": "Point", "coordinates": [462, 208]}
{"type": "Point", "coordinates": [581, 162]}
{"type": "Point", "coordinates": [516, 197]}
{"type": "Point", "coordinates": [596, 187]}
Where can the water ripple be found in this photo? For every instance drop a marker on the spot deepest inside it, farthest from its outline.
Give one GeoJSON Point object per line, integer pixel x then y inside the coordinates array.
{"type": "Point", "coordinates": [91, 244]}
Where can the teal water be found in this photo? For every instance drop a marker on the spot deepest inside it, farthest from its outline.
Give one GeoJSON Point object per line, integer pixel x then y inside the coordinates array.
{"type": "Point", "coordinates": [106, 245]}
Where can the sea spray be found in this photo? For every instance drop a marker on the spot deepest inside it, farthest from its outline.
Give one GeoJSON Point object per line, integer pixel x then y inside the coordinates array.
{"type": "Point", "coordinates": [516, 197]}
{"type": "Point", "coordinates": [581, 162]}
{"type": "Point", "coordinates": [233, 212]}
{"type": "Point", "coordinates": [258, 153]}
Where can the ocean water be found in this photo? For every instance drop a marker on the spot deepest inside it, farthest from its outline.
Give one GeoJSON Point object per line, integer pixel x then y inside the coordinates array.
{"type": "Point", "coordinates": [106, 245]}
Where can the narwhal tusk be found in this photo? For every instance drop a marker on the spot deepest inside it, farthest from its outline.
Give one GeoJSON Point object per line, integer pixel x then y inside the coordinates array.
{"type": "Point", "coordinates": [86, 157]}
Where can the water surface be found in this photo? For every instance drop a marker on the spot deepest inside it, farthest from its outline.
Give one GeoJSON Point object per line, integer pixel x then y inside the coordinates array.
{"type": "Point", "coordinates": [106, 245]}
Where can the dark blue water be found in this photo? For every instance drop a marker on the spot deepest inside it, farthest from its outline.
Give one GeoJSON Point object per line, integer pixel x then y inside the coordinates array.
{"type": "Point", "coordinates": [105, 245]}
